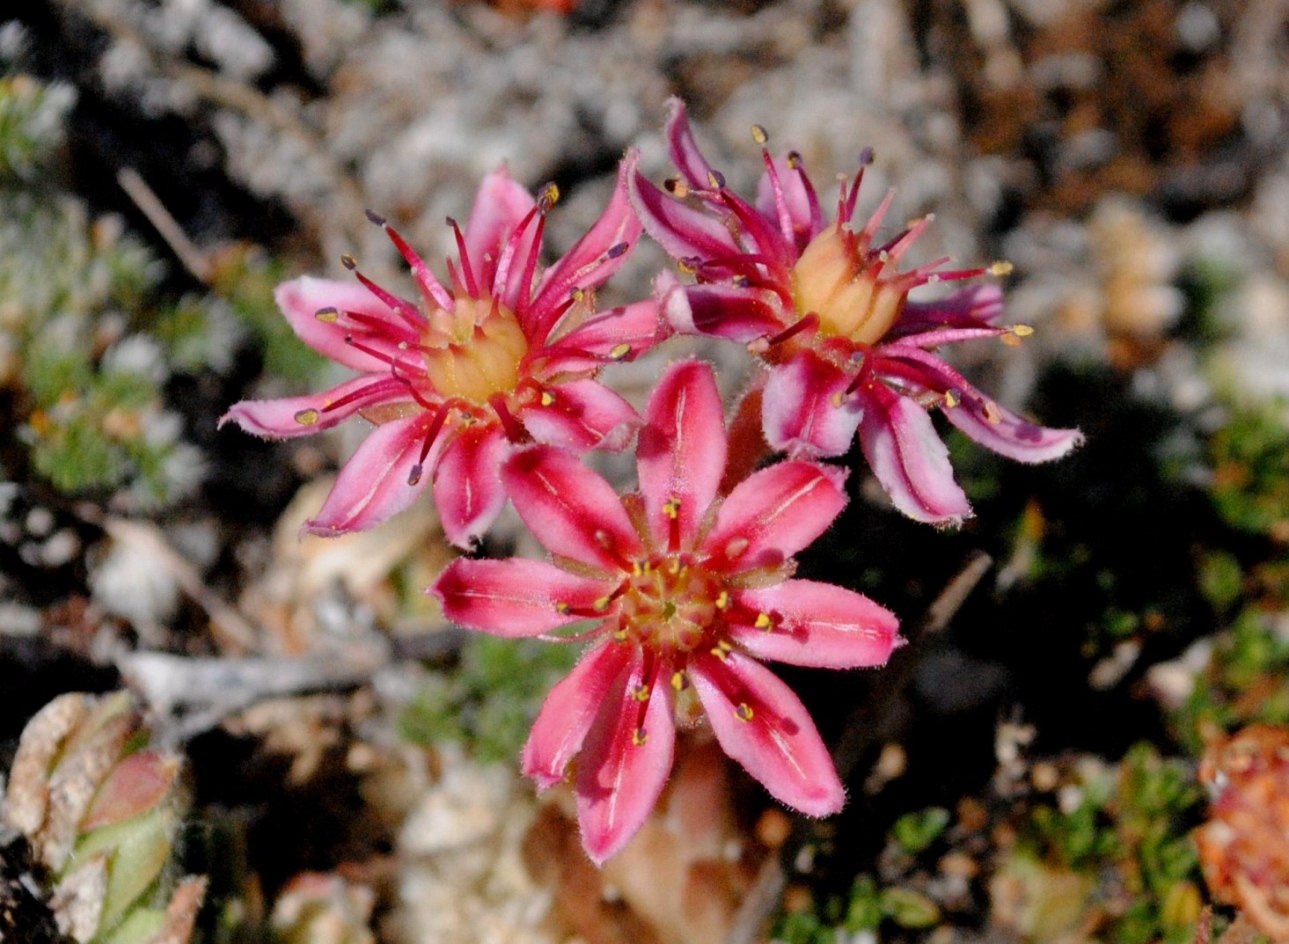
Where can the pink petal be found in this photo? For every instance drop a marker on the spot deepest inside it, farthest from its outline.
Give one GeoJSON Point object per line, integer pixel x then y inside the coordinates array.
{"type": "Point", "coordinates": [682, 230]}
{"type": "Point", "coordinates": [513, 597]}
{"type": "Point", "coordinates": [719, 309]}
{"type": "Point", "coordinates": [1004, 432]}
{"type": "Point", "coordinates": [571, 708]}
{"type": "Point", "coordinates": [573, 511]}
{"type": "Point", "coordinates": [593, 259]}
{"type": "Point", "coordinates": [774, 513]}
{"type": "Point", "coordinates": [908, 458]}
{"type": "Point", "coordinates": [373, 485]}
{"type": "Point", "coordinates": [684, 151]}
{"type": "Point", "coordinates": [682, 448]}
{"type": "Point", "coordinates": [805, 217]}
{"type": "Point", "coordinates": [467, 482]}
{"type": "Point", "coordinates": [637, 325]}
{"type": "Point", "coordinates": [801, 411]}
{"type": "Point", "coordinates": [761, 724]}
{"type": "Point", "coordinates": [977, 306]}
{"type": "Point", "coordinates": [993, 426]}
{"type": "Point", "coordinates": [499, 206]}
{"type": "Point", "coordinates": [817, 624]}
{"type": "Point", "coordinates": [301, 299]}
{"type": "Point", "coordinates": [301, 416]}
{"type": "Point", "coordinates": [582, 415]}
{"type": "Point", "coordinates": [625, 762]}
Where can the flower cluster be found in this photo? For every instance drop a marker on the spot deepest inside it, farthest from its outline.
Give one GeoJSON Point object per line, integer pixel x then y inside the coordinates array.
{"type": "Point", "coordinates": [488, 389]}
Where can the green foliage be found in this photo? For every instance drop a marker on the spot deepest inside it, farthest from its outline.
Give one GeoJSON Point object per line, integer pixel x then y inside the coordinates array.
{"type": "Point", "coordinates": [1250, 457]}
{"type": "Point", "coordinates": [490, 702]}
{"type": "Point", "coordinates": [32, 118]}
{"type": "Point", "coordinates": [1129, 834]}
{"type": "Point", "coordinates": [916, 831]}
{"type": "Point", "coordinates": [1246, 680]}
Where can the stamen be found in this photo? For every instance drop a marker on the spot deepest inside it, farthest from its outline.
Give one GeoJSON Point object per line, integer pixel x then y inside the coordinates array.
{"type": "Point", "coordinates": [764, 621]}
{"type": "Point", "coordinates": [514, 429]}
{"type": "Point", "coordinates": [307, 417]}
{"type": "Point", "coordinates": [992, 413]}
{"type": "Point", "coordinates": [327, 315]}
{"type": "Point", "coordinates": [676, 187]}
{"type": "Point", "coordinates": [431, 434]}
{"type": "Point", "coordinates": [619, 351]}
{"type": "Point", "coordinates": [715, 180]}
{"type": "Point", "coordinates": [618, 249]}
{"type": "Point", "coordinates": [467, 272]}
{"type": "Point", "coordinates": [952, 398]}
{"type": "Point", "coordinates": [547, 398]}
{"type": "Point", "coordinates": [743, 712]}
{"type": "Point", "coordinates": [759, 135]}
{"type": "Point", "coordinates": [549, 197]}
{"type": "Point", "coordinates": [640, 693]}
{"type": "Point", "coordinates": [722, 600]}
{"type": "Point", "coordinates": [678, 681]}
{"type": "Point", "coordinates": [1001, 268]}
{"type": "Point", "coordinates": [405, 309]}
{"type": "Point", "coordinates": [639, 736]}
{"type": "Point", "coordinates": [794, 159]}
{"type": "Point", "coordinates": [810, 322]}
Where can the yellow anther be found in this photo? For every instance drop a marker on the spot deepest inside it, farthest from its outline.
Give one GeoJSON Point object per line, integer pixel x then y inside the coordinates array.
{"type": "Point", "coordinates": [837, 400]}
{"type": "Point", "coordinates": [639, 736]}
{"type": "Point", "coordinates": [673, 566]}
{"type": "Point", "coordinates": [763, 621]}
{"type": "Point", "coordinates": [549, 197]}
{"type": "Point", "coordinates": [1022, 330]}
{"type": "Point", "coordinates": [992, 413]}
{"type": "Point", "coordinates": [759, 135]}
{"type": "Point", "coordinates": [348, 261]}
{"type": "Point", "coordinates": [327, 315]}
{"type": "Point", "coordinates": [719, 653]}
{"type": "Point", "coordinates": [794, 159]}
{"type": "Point", "coordinates": [723, 600]}
{"type": "Point", "coordinates": [678, 680]}
{"type": "Point", "coordinates": [547, 398]}
{"type": "Point", "coordinates": [640, 693]}
{"type": "Point", "coordinates": [620, 351]}
{"type": "Point", "coordinates": [601, 604]}
{"type": "Point", "coordinates": [562, 607]}
{"type": "Point", "coordinates": [715, 179]}
{"type": "Point", "coordinates": [676, 186]}
{"type": "Point", "coordinates": [307, 417]}
{"type": "Point", "coordinates": [883, 257]}
{"type": "Point", "coordinates": [620, 635]}
{"type": "Point", "coordinates": [672, 508]}
{"type": "Point", "coordinates": [743, 712]}
{"type": "Point", "coordinates": [951, 398]}
{"type": "Point", "coordinates": [1000, 268]}
{"type": "Point", "coordinates": [684, 267]}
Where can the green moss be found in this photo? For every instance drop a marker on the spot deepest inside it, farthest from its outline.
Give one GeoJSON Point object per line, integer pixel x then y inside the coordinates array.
{"type": "Point", "coordinates": [1250, 457]}
{"type": "Point", "coordinates": [490, 702]}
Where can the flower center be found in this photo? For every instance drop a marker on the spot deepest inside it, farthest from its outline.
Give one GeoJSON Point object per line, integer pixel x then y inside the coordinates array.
{"type": "Point", "coordinates": [671, 603]}
{"type": "Point", "coordinates": [834, 280]}
{"type": "Point", "coordinates": [474, 351]}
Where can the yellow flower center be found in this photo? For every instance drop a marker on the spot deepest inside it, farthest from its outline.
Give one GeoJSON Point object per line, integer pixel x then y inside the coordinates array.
{"type": "Point", "coordinates": [832, 280]}
{"type": "Point", "coordinates": [671, 604]}
{"type": "Point", "coordinates": [475, 350]}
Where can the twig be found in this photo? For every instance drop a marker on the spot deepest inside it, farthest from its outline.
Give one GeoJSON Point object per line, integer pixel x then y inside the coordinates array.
{"type": "Point", "coordinates": [193, 259]}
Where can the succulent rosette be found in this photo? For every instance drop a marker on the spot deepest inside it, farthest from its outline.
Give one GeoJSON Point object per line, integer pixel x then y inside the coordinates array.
{"type": "Point", "coordinates": [505, 355]}
{"type": "Point", "coordinates": [686, 590]}
{"type": "Point", "coordinates": [828, 312]}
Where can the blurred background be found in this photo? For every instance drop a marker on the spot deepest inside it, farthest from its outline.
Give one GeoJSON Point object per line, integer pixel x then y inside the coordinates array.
{"type": "Point", "coordinates": [1028, 769]}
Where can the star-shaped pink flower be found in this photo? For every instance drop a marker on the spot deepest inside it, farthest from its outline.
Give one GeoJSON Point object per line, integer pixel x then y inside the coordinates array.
{"type": "Point", "coordinates": [826, 309]}
{"type": "Point", "coordinates": [688, 590]}
{"type": "Point", "coordinates": [505, 357]}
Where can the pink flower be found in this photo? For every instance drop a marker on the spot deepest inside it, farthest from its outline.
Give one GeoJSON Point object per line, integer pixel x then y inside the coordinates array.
{"type": "Point", "coordinates": [688, 590]}
{"type": "Point", "coordinates": [506, 357]}
{"type": "Point", "coordinates": [826, 309]}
